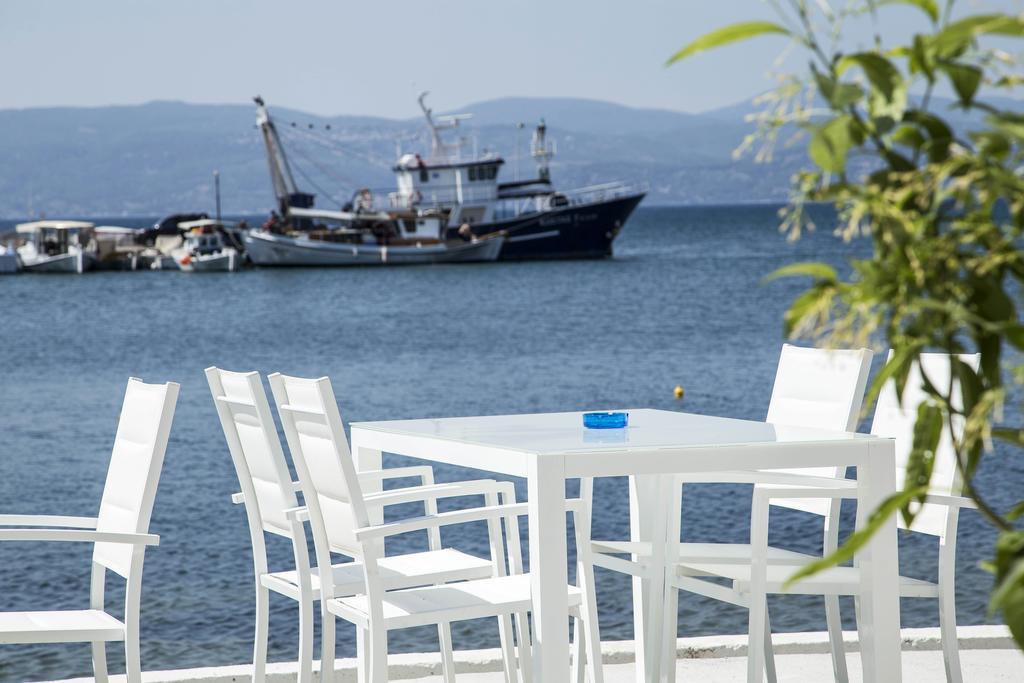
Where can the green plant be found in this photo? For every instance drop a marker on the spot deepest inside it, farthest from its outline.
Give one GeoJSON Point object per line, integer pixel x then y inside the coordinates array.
{"type": "Point", "coordinates": [944, 209]}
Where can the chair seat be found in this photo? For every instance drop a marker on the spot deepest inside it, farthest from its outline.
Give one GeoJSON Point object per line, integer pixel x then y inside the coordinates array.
{"type": "Point", "coordinates": [397, 571]}
{"type": "Point", "coordinates": [833, 581]}
{"type": "Point", "coordinates": [446, 603]}
{"type": "Point", "coordinates": [61, 626]}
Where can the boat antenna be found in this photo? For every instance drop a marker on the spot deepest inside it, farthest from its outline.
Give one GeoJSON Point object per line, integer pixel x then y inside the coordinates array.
{"type": "Point", "coordinates": [280, 170]}
{"type": "Point", "coordinates": [436, 146]}
{"type": "Point", "coordinates": [216, 191]}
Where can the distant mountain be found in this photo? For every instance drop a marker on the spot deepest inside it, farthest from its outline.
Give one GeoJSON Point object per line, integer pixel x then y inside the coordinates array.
{"type": "Point", "coordinates": [159, 157]}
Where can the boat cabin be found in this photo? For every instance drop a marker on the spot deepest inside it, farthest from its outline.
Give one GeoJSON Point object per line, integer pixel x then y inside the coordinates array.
{"type": "Point", "coordinates": [203, 236]}
{"type": "Point", "coordinates": [56, 237]}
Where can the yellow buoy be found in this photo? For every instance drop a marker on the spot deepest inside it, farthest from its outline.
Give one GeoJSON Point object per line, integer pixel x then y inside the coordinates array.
{"type": "Point", "coordinates": [679, 393]}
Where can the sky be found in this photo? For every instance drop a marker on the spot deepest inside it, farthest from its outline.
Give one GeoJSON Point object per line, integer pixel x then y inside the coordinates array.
{"type": "Point", "coordinates": [340, 57]}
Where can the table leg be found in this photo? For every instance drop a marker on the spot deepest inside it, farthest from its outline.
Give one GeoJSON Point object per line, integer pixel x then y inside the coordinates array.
{"type": "Point", "coordinates": [879, 618]}
{"type": "Point", "coordinates": [648, 522]}
{"type": "Point", "coordinates": [549, 575]}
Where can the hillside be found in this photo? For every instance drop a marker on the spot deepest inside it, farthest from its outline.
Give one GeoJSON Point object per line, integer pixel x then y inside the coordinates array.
{"type": "Point", "coordinates": [158, 157]}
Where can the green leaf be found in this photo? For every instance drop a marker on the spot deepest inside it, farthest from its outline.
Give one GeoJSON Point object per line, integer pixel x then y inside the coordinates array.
{"type": "Point", "coordinates": [884, 77]}
{"type": "Point", "coordinates": [819, 271]}
{"type": "Point", "coordinates": [1010, 434]}
{"type": "Point", "coordinates": [965, 79]}
{"type": "Point", "coordinates": [1015, 512]}
{"type": "Point", "coordinates": [859, 538]}
{"type": "Point", "coordinates": [896, 368]}
{"type": "Point", "coordinates": [831, 143]}
{"type": "Point", "coordinates": [958, 35]}
{"type": "Point", "coordinates": [929, 7]}
{"type": "Point", "coordinates": [1015, 335]}
{"type": "Point", "coordinates": [927, 430]}
{"type": "Point", "coordinates": [1008, 596]}
{"type": "Point", "coordinates": [728, 34]}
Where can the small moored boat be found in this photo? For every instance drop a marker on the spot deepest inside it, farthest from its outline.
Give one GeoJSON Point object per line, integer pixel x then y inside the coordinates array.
{"type": "Point", "coordinates": [205, 250]}
{"type": "Point", "coordinates": [57, 247]}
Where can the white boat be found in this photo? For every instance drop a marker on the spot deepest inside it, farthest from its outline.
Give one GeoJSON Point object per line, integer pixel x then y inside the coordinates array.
{"type": "Point", "coordinates": [117, 247]}
{"type": "Point", "coordinates": [57, 247]}
{"type": "Point", "coordinates": [204, 249]}
{"type": "Point", "coordinates": [358, 236]}
{"type": "Point", "coordinates": [417, 242]}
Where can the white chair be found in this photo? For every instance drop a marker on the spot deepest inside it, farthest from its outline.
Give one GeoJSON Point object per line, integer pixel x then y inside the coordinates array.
{"type": "Point", "coordinates": [821, 388]}
{"type": "Point", "coordinates": [341, 518]}
{"type": "Point", "coordinates": [268, 492]}
{"type": "Point", "coordinates": [120, 534]}
{"type": "Point", "coordinates": [937, 517]}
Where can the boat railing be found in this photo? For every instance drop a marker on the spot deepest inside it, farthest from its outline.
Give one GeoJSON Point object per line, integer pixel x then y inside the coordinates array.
{"type": "Point", "coordinates": [439, 195]}
{"type": "Point", "coordinates": [603, 192]}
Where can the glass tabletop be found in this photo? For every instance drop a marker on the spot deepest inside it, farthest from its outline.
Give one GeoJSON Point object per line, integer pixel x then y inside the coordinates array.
{"type": "Point", "coordinates": [564, 432]}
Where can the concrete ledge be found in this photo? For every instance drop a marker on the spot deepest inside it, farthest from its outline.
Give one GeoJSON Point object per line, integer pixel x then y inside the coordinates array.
{"type": "Point", "coordinates": [422, 665]}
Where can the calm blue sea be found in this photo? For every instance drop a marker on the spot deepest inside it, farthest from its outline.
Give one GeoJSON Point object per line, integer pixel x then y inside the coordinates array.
{"type": "Point", "coordinates": [682, 302]}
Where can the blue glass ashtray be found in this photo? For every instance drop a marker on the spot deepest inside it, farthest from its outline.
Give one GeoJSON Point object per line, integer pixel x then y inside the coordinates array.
{"type": "Point", "coordinates": [605, 420]}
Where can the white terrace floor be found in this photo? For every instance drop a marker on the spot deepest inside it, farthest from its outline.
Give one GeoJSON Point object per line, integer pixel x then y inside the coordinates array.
{"type": "Point", "coordinates": [987, 653]}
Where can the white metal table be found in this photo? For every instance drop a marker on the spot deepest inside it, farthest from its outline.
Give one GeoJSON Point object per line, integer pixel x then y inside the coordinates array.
{"type": "Point", "coordinates": [547, 449]}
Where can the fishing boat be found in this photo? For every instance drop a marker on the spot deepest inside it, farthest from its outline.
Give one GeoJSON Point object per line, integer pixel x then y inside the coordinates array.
{"type": "Point", "coordinates": [57, 246]}
{"type": "Point", "coordinates": [205, 249]}
{"type": "Point", "coordinates": [462, 192]}
{"type": "Point", "coordinates": [343, 238]}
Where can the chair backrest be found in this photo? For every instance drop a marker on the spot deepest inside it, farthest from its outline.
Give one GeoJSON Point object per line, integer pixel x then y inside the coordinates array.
{"type": "Point", "coordinates": [255, 447]}
{"type": "Point", "coordinates": [134, 472]}
{"type": "Point", "coordinates": [895, 420]}
{"type": "Point", "coordinates": [316, 439]}
{"type": "Point", "coordinates": [822, 388]}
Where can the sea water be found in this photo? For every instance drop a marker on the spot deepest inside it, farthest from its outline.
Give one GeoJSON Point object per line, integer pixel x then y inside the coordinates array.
{"type": "Point", "coordinates": [684, 302]}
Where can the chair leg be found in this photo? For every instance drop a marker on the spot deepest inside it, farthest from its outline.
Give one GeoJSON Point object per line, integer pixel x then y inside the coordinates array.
{"type": "Point", "coordinates": [508, 650]}
{"type": "Point", "coordinates": [132, 656]}
{"type": "Point", "coordinates": [834, 619]}
{"type": "Point", "coordinates": [756, 637]}
{"type": "Point", "coordinates": [444, 637]}
{"type": "Point", "coordinates": [99, 662]}
{"type": "Point", "coordinates": [591, 637]}
{"type": "Point", "coordinates": [378, 655]}
{"type": "Point", "coordinates": [947, 628]}
{"type": "Point", "coordinates": [362, 655]}
{"type": "Point", "coordinates": [305, 641]}
{"type": "Point", "coordinates": [259, 655]}
{"type": "Point", "coordinates": [579, 669]}
{"type": "Point", "coordinates": [327, 638]}
{"type": "Point", "coordinates": [769, 650]}
{"type": "Point", "coordinates": [525, 652]}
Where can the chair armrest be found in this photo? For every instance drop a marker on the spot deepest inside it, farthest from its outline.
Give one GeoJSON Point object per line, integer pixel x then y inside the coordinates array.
{"type": "Point", "coordinates": [453, 489]}
{"type": "Point", "coordinates": [425, 473]}
{"type": "Point", "coordinates": [951, 501]}
{"type": "Point", "coordinates": [441, 519]}
{"type": "Point", "coordinates": [48, 520]}
{"type": "Point", "coordinates": [239, 498]}
{"type": "Point", "coordinates": [299, 514]}
{"type": "Point", "coordinates": [808, 492]}
{"type": "Point", "coordinates": [88, 535]}
{"type": "Point", "coordinates": [573, 505]}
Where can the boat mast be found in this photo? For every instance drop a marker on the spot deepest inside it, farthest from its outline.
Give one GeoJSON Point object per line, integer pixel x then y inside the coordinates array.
{"type": "Point", "coordinates": [436, 146]}
{"type": "Point", "coordinates": [280, 171]}
{"type": "Point", "coordinates": [542, 151]}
